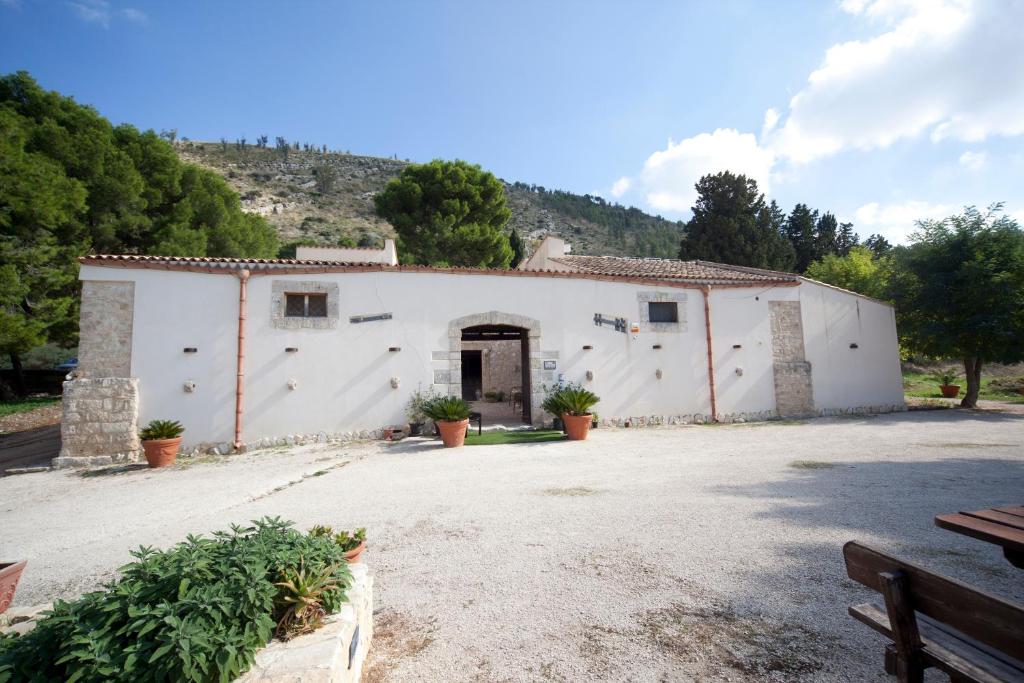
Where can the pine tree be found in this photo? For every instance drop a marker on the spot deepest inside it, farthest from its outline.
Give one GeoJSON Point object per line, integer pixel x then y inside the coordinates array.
{"type": "Point", "coordinates": [518, 248]}
{"type": "Point", "coordinates": [847, 239]}
{"type": "Point", "coordinates": [800, 229]}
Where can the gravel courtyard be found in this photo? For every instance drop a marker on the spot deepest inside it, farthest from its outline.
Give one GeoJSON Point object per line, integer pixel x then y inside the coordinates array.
{"type": "Point", "coordinates": [707, 553]}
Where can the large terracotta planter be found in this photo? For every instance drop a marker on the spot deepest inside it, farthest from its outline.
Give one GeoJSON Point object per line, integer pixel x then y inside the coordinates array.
{"type": "Point", "coordinates": [453, 434]}
{"type": "Point", "coordinates": [352, 556]}
{"type": "Point", "coordinates": [949, 390]}
{"type": "Point", "coordinates": [161, 452]}
{"type": "Point", "coordinates": [10, 572]}
{"type": "Point", "coordinates": [577, 426]}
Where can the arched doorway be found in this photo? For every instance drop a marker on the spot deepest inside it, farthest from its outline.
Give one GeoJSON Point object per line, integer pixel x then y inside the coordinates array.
{"type": "Point", "coordinates": [467, 371]}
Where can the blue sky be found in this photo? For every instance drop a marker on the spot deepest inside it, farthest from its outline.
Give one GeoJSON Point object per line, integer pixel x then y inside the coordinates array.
{"type": "Point", "coordinates": [882, 111]}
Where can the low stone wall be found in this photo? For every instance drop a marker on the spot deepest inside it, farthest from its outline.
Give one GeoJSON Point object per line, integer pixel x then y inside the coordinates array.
{"type": "Point", "coordinates": [761, 416]}
{"type": "Point", "coordinates": [329, 653]}
{"type": "Point", "coordinates": [100, 422]}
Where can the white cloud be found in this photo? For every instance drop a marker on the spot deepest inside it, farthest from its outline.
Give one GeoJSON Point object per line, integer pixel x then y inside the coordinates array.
{"type": "Point", "coordinates": [973, 161]}
{"type": "Point", "coordinates": [135, 15]}
{"type": "Point", "coordinates": [771, 118]}
{"type": "Point", "coordinates": [668, 175]}
{"type": "Point", "coordinates": [947, 68]}
{"type": "Point", "coordinates": [895, 222]}
{"type": "Point", "coordinates": [621, 186]}
{"type": "Point", "coordinates": [101, 12]}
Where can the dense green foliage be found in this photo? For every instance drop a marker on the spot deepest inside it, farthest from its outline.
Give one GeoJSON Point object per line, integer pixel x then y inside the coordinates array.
{"type": "Point", "coordinates": [71, 183]}
{"type": "Point", "coordinates": [161, 429]}
{"type": "Point", "coordinates": [346, 540]}
{"type": "Point", "coordinates": [196, 612]}
{"type": "Point", "coordinates": [859, 271]}
{"type": "Point", "coordinates": [636, 232]}
{"type": "Point", "coordinates": [446, 409]}
{"type": "Point", "coordinates": [570, 398]}
{"type": "Point", "coordinates": [732, 224]}
{"type": "Point", "coordinates": [959, 291]}
{"type": "Point", "coordinates": [448, 213]}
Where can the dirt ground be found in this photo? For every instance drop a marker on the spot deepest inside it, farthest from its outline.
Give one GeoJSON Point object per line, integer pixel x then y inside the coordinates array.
{"type": "Point", "coordinates": [708, 553]}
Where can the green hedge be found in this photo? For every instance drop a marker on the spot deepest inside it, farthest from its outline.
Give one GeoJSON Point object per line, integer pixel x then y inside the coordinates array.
{"type": "Point", "coordinates": [196, 612]}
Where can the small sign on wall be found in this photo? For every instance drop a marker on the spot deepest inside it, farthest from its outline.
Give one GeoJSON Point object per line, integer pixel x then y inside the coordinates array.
{"type": "Point", "coordinates": [550, 364]}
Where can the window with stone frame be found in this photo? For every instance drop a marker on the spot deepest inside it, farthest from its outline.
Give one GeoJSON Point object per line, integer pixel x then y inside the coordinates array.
{"type": "Point", "coordinates": [305, 305]}
{"type": "Point", "coordinates": [662, 311]}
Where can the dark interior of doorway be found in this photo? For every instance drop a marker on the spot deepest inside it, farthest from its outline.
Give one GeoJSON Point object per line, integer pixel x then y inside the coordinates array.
{"type": "Point", "coordinates": [472, 361]}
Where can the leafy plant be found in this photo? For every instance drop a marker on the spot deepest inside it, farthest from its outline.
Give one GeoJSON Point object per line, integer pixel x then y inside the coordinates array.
{"type": "Point", "coordinates": [417, 402]}
{"type": "Point", "coordinates": [447, 409]}
{"type": "Point", "coordinates": [346, 540]}
{"type": "Point", "coordinates": [161, 429]}
{"type": "Point", "coordinates": [946, 378]}
{"type": "Point", "coordinates": [195, 612]}
{"type": "Point", "coordinates": [572, 399]}
{"type": "Point", "coordinates": [302, 593]}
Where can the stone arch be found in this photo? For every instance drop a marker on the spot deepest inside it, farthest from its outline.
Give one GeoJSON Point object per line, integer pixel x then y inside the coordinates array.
{"type": "Point", "coordinates": [532, 328]}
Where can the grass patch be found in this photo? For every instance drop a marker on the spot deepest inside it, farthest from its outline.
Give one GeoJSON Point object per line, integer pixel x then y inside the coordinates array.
{"type": "Point", "coordinates": [23, 405]}
{"type": "Point", "coordinates": [812, 465]}
{"type": "Point", "coordinates": [523, 436]}
{"type": "Point", "coordinates": [920, 385]}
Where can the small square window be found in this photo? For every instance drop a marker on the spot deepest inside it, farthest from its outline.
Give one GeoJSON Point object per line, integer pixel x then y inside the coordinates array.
{"type": "Point", "coordinates": [305, 305]}
{"type": "Point", "coordinates": [663, 312]}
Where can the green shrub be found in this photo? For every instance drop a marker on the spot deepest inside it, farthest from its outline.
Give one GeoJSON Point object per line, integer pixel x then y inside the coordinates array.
{"type": "Point", "coordinates": [196, 612]}
{"type": "Point", "coordinates": [572, 399]}
{"type": "Point", "coordinates": [946, 378]}
{"type": "Point", "coordinates": [446, 409]}
{"type": "Point", "coordinates": [417, 402]}
{"type": "Point", "coordinates": [161, 429]}
{"type": "Point", "coordinates": [346, 540]}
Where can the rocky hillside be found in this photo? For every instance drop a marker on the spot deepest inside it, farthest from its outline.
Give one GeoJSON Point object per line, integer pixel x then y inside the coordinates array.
{"type": "Point", "coordinates": [325, 197]}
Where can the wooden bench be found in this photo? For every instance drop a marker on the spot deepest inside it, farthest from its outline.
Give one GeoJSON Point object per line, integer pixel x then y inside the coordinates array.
{"type": "Point", "coordinates": [935, 621]}
{"type": "Point", "coordinates": [479, 419]}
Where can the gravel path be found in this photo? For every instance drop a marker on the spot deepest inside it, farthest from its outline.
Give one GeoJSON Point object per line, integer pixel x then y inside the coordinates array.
{"type": "Point", "coordinates": [693, 553]}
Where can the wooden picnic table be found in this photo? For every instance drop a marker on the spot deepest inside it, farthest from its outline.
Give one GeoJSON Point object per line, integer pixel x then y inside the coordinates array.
{"type": "Point", "coordinates": [1003, 526]}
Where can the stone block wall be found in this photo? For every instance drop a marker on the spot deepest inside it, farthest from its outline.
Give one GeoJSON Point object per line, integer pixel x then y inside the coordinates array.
{"type": "Point", "coordinates": [105, 341]}
{"type": "Point", "coordinates": [502, 363]}
{"type": "Point", "coordinates": [794, 395]}
{"type": "Point", "coordinates": [100, 422]}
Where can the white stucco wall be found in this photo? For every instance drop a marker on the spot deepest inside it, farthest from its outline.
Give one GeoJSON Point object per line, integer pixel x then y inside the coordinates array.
{"type": "Point", "coordinates": [343, 374]}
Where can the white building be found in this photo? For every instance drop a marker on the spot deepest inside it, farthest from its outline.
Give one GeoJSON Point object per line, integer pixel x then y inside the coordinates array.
{"type": "Point", "coordinates": [255, 351]}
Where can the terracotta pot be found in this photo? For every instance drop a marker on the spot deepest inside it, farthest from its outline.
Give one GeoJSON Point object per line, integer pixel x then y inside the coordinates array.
{"type": "Point", "coordinates": [453, 434]}
{"type": "Point", "coordinates": [10, 572]}
{"type": "Point", "coordinates": [161, 452]}
{"type": "Point", "coordinates": [949, 390]}
{"type": "Point", "coordinates": [577, 426]}
{"type": "Point", "coordinates": [352, 556]}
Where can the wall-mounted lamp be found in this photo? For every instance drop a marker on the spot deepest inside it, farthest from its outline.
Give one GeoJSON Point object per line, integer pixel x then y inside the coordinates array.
{"type": "Point", "coordinates": [291, 349]}
{"type": "Point", "coordinates": [854, 345]}
{"type": "Point", "coordinates": [394, 349]}
{"type": "Point", "coordinates": [656, 347]}
{"type": "Point", "coordinates": [293, 384]}
{"type": "Point", "coordinates": [189, 386]}
{"type": "Point", "coordinates": [588, 347]}
{"type": "Point", "coordinates": [590, 375]}
{"type": "Point", "coordinates": [395, 382]}
{"type": "Point", "coordinates": [658, 373]}
{"type": "Point", "coordinates": [737, 346]}
{"type": "Point", "coordinates": [739, 372]}
{"type": "Point", "coordinates": [190, 349]}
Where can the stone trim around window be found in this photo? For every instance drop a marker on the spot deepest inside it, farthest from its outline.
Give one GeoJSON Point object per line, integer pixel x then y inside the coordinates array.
{"type": "Point", "coordinates": [278, 289]}
{"type": "Point", "coordinates": [679, 298]}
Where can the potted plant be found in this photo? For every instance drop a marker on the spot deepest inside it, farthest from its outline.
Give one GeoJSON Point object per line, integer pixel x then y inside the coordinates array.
{"type": "Point", "coordinates": [947, 384]}
{"type": "Point", "coordinates": [576, 403]}
{"type": "Point", "coordinates": [451, 414]}
{"type": "Point", "coordinates": [160, 441]}
{"type": "Point", "coordinates": [414, 410]}
{"type": "Point", "coordinates": [594, 422]}
{"type": "Point", "coordinates": [352, 543]}
{"type": "Point", "coordinates": [10, 572]}
{"type": "Point", "coordinates": [553, 404]}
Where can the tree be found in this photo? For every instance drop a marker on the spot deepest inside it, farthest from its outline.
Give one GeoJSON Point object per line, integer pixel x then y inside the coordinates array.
{"type": "Point", "coordinates": [800, 231]}
{"type": "Point", "coordinates": [730, 225]}
{"type": "Point", "coordinates": [959, 291]}
{"type": "Point", "coordinates": [847, 239]}
{"type": "Point", "coordinates": [878, 244]}
{"type": "Point", "coordinates": [515, 242]}
{"type": "Point", "coordinates": [779, 253]}
{"type": "Point", "coordinates": [859, 271]}
{"type": "Point", "coordinates": [826, 236]}
{"type": "Point", "coordinates": [448, 213]}
{"type": "Point", "coordinates": [325, 177]}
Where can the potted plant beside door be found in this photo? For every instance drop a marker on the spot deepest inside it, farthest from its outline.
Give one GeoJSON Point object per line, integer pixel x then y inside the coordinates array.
{"type": "Point", "coordinates": [160, 441]}
{"type": "Point", "coordinates": [451, 414]}
{"type": "Point", "coordinates": [948, 385]}
{"type": "Point", "coordinates": [576, 403]}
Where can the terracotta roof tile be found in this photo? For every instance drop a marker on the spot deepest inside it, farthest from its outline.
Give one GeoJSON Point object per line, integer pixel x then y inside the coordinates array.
{"type": "Point", "coordinates": [670, 269]}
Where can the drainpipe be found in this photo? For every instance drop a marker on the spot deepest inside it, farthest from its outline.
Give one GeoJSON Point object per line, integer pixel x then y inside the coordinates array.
{"type": "Point", "coordinates": [243, 280]}
{"type": "Point", "coordinates": [706, 291]}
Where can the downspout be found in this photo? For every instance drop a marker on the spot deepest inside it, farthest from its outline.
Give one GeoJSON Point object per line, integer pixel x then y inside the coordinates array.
{"type": "Point", "coordinates": [243, 280]}
{"type": "Point", "coordinates": [706, 291]}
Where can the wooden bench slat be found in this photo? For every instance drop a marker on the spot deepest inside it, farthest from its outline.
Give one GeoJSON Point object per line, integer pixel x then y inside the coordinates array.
{"type": "Point", "coordinates": [946, 650]}
{"type": "Point", "coordinates": [1012, 510]}
{"type": "Point", "coordinates": [999, 534]}
{"type": "Point", "coordinates": [991, 620]}
{"type": "Point", "coordinates": [1004, 518]}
